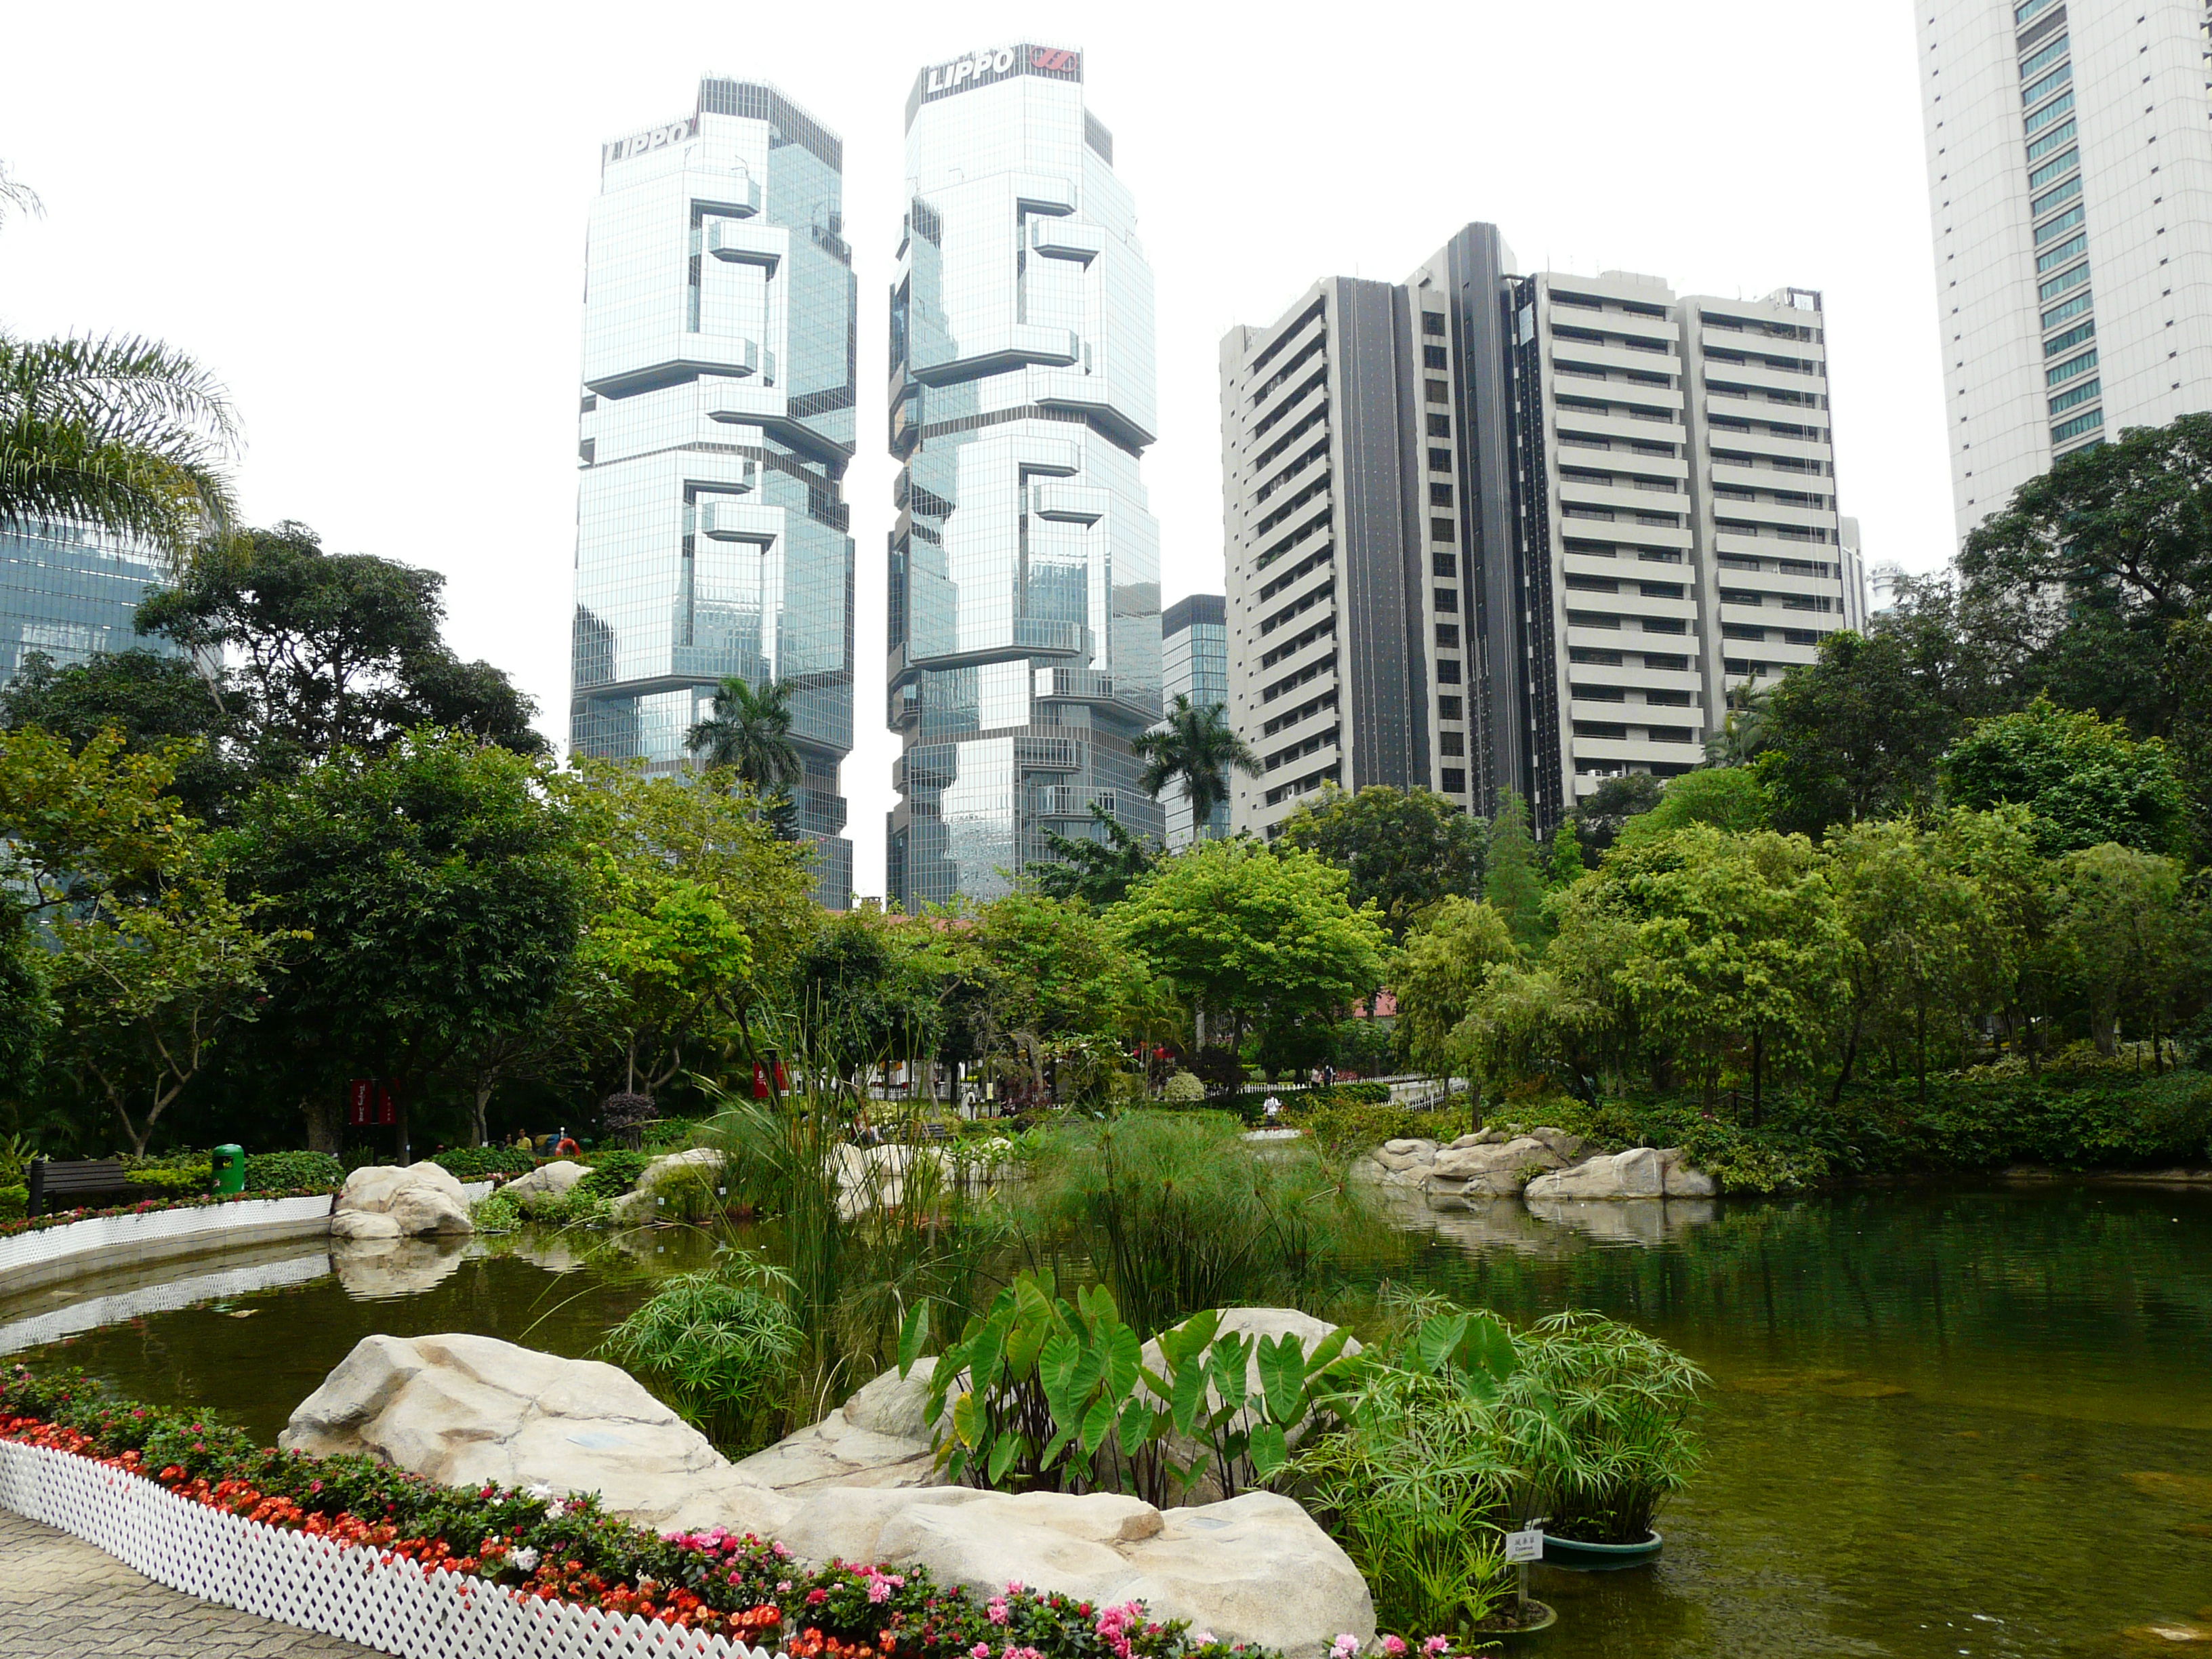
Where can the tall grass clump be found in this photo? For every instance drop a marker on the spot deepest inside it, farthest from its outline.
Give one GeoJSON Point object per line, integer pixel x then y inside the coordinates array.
{"type": "Point", "coordinates": [1175, 1212]}
{"type": "Point", "coordinates": [721, 1344]}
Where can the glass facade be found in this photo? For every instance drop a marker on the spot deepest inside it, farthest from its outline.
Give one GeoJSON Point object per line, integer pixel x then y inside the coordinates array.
{"type": "Point", "coordinates": [69, 593]}
{"type": "Point", "coordinates": [1194, 663]}
{"type": "Point", "coordinates": [712, 535]}
{"type": "Point", "coordinates": [1024, 601]}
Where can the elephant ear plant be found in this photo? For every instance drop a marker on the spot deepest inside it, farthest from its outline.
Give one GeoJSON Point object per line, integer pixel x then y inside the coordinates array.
{"type": "Point", "coordinates": [1046, 1395]}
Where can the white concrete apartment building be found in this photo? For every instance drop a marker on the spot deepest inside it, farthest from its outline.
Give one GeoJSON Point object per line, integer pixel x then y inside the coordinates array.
{"type": "Point", "coordinates": [2069, 176]}
{"type": "Point", "coordinates": [1681, 479]}
{"type": "Point", "coordinates": [1488, 533]}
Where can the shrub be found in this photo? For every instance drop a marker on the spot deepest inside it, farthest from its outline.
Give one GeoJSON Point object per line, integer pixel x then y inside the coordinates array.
{"type": "Point", "coordinates": [671, 1134]}
{"type": "Point", "coordinates": [171, 1182]}
{"type": "Point", "coordinates": [484, 1163]}
{"type": "Point", "coordinates": [495, 1213]}
{"type": "Point", "coordinates": [15, 1203]}
{"type": "Point", "coordinates": [720, 1344]}
{"type": "Point", "coordinates": [287, 1171]}
{"type": "Point", "coordinates": [614, 1172]}
{"type": "Point", "coordinates": [1183, 1089]}
{"type": "Point", "coordinates": [1345, 1128]}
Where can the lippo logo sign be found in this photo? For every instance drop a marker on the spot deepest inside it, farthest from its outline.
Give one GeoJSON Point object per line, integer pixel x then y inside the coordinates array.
{"type": "Point", "coordinates": [637, 144]}
{"type": "Point", "coordinates": [983, 67]}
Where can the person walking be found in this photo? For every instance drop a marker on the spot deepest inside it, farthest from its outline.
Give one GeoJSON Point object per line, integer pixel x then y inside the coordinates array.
{"type": "Point", "coordinates": [1274, 1110]}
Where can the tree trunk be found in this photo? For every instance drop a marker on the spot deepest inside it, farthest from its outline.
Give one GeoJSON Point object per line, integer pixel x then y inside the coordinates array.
{"type": "Point", "coordinates": [476, 1110]}
{"type": "Point", "coordinates": [1757, 1071]}
{"type": "Point", "coordinates": [2104, 1026]}
{"type": "Point", "coordinates": [324, 1125]}
{"type": "Point", "coordinates": [1850, 1055]}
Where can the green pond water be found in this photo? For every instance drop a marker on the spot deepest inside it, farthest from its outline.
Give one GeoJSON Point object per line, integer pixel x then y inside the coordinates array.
{"type": "Point", "coordinates": [1942, 1423]}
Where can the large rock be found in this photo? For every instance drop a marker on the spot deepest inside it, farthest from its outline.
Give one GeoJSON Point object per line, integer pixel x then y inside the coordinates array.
{"type": "Point", "coordinates": [1636, 1173]}
{"type": "Point", "coordinates": [699, 1163]}
{"type": "Point", "coordinates": [1678, 1180]}
{"type": "Point", "coordinates": [878, 1438]}
{"type": "Point", "coordinates": [418, 1198]}
{"type": "Point", "coordinates": [547, 1181]}
{"type": "Point", "coordinates": [1491, 1170]}
{"type": "Point", "coordinates": [466, 1410]}
{"type": "Point", "coordinates": [1255, 1569]}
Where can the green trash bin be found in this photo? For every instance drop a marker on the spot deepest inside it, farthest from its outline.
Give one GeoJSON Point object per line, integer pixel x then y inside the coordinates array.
{"type": "Point", "coordinates": [228, 1169]}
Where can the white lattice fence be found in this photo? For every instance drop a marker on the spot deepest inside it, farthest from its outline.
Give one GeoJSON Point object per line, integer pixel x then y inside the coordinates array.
{"type": "Point", "coordinates": [314, 1583]}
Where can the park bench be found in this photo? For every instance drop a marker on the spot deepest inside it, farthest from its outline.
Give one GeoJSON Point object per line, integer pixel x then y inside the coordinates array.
{"type": "Point", "coordinates": [80, 1185]}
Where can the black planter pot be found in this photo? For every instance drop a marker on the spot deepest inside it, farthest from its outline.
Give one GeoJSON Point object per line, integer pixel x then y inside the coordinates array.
{"type": "Point", "coordinates": [1577, 1557]}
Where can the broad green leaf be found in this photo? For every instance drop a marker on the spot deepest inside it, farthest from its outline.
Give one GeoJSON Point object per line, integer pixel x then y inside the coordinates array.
{"type": "Point", "coordinates": [1326, 1351]}
{"type": "Point", "coordinates": [1057, 1373]}
{"type": "Point", "coordinates": [1270, 1450]}
{"type": "Point", "coordinates": [1433, 1343]}
{"type": "Point", "coordinates": [1122, 1353]}
{"type": "Point", "coordinates": [1131, 1428]}
{"type": "Point", "coordinates": [1028, 1337]}
{"type": "Point", "coordinates": [913, 1334]}
{"type": "Point", "coordinates": [1188, 1339]}
{"type": "Point", "coordinates": [983, 1358]}
{"type": "Point", "coordinates": [1230, 1365]}
{"type": "Point", "coordinates": [1002, 1456]}
{"type": "Point", "coordinates": [967, 1420]}
{"type": "Point", "coordinates": [1282, 1366]}
{"type": "Point", "coordinates": [1189, 1395]}
{"type": "Point", "coordinates": [1097, 1422]}
{"type": "Point", "coordinates": [1054, 1446]}
{"type": "Point", "coordinates": [1487, 1350]}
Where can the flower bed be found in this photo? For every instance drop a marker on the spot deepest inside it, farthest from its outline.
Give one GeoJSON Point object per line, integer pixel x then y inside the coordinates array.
{"type": "Point", "coordinates": [535, 1546]}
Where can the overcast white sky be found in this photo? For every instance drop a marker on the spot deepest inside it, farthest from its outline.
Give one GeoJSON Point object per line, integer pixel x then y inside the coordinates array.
{"type": "Point", "coordinates": [369, 221]}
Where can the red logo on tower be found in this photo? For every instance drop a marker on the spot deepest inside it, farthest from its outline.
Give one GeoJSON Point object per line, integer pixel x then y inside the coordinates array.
{"type": "Point", "coordinates": [1052, 60]}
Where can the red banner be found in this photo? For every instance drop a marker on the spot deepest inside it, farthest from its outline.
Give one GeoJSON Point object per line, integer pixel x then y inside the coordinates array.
{"type": "Point", "coordinates": [369, 1104]}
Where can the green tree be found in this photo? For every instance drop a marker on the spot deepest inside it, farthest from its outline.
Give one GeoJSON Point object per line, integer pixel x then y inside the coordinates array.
{"type": "Point", "coordinates": [1564, 867]}
{"type": "Point", "coordinates": [748, 735]}
{"type": "Point", "coordinates": [1740, 951]}
{"type": "Point", "coordinates": [1446, 959]}
{"type": "Point", "coordinates": [1730, 798]}
{"type": "Point", "coordinates": [2120, 536]}
{"type": "Point", "coordinates": [1511, 885]}
{"type": "Point", "coordinates": [2007, 956]}
{"type": "Point", "coordinates": [328, 651]}
{"type": "Point", "coordinates": [2085, 779]}
{"type": "Point", "coordinates": [1095, 870]}
{"type": "Point", "coordinates": [151, 702]}
{"type": "Point", "coordinates": [2189, 676]}
{"type": "Point", "coordinates": [2126, 939]}
{"type": "Point", "coordinates": [1601, 814]}
{"type": "Point", "coordinates": [1194, 747]}
{"type": "Point", "coordinates": [1246, 934]}
{"type": "Point", "coordinates": [440, 890]}
{"type": "Point", "coordinates": [665, 969]}
{"type": "Point", "coordinates": [1406, 850]}
{"type": "Point", "coordinates": [123, 433]}
{"type": "Point", "coordinates": [1856, 734]}
{"type": "Point", "coordinates": [27, 1008]}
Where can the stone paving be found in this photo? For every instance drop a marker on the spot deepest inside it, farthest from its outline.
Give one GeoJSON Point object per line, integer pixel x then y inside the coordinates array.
{"type": "Point", "coordinates": [62, 1599]}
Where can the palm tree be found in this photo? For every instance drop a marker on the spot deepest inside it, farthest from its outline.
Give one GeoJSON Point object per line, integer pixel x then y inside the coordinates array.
{"type": "Point", "coordinates": [119, 434]}
{"type": "Point", "coordinates": [1195, 744]}
{"type": "Point", "coordinates": [750, 733]}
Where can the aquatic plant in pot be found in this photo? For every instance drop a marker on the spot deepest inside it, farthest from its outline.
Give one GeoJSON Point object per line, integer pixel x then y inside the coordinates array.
{"type": "Point", "coordinates": [1597, 1416]}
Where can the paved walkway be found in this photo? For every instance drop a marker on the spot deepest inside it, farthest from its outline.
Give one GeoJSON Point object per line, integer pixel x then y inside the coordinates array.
{"type": "Point", "coordinates": [62, 1599]}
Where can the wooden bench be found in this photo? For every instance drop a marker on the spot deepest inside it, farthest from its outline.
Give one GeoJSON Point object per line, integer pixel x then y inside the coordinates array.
{"type": "Point", "coordinates": [78, 1185]}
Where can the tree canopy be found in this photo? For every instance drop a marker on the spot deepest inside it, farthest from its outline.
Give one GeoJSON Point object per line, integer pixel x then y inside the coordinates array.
{"type": "Point", "coordinates": [2085, 779]}
{"type": "Point", "coordinates": [1405, 850]}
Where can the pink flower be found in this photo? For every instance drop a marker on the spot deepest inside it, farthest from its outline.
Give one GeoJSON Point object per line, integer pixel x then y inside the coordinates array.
{"type": "Point", "coordinates": [980, 1650]}
{"type": "Point", "coordinates": [996, 1612]}
{"type": "Point", "coordinates": [1345, 1646]}
{"type": "Point", "coordinates": [1394, 1646]}
{"type": "Point", "coordinates": [1436, 1644]}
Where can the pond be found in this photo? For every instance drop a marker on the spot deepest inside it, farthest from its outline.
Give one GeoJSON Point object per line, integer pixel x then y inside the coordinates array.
{"type": "Point", "coordinates": [1942, 1423]}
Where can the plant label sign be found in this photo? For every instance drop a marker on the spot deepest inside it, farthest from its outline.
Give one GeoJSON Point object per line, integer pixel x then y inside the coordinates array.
{"type": "Point", "coordinates": [1524, 1546]}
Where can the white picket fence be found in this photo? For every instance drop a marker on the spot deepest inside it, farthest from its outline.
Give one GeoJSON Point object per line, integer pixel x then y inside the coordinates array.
{"type": "Point", "coordinates": [317, 1584]}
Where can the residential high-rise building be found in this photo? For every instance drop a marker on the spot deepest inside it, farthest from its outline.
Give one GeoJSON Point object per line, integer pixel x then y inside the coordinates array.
{"type": "Point", "coordinates": [1194, 663]}
{"type": "Point", "coordinates": [1024, 601]}
{"type": "Point", "coordinates": [2069, 175]}
{"type": "Point", "coordinates": [70, 592]}
{"type": "Point", "coordinates": [1491, 532]}
{"type": "Point", "coordinates": [717, 419]}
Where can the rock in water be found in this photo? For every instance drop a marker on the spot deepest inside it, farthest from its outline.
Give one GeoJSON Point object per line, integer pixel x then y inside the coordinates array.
{"type": "Point", "coordinates": [1632, 1174]}
{"type": "Point", "coordinates": [417, 1198]}
{"type": "Point", "coordinates": [547, 1181]}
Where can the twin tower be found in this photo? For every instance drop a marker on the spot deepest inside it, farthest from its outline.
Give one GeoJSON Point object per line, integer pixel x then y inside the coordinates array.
{"type": "Point", "coordinates": [719, 390]}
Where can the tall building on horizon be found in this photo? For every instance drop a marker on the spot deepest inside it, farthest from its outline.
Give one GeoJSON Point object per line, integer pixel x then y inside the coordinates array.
{"type": "Point", "coordinates": [70, 593]}
{"type": "Point", "coordinates": [2069, 178]}
{"type": "Point", "coordinates": [719, 396]}
{"type": "Point", "coordinates": [1024, 649]}
{"type": "Point", "coordinates": [1491, 532]}
{"type": "Point", "coordinates": [1194, 663]}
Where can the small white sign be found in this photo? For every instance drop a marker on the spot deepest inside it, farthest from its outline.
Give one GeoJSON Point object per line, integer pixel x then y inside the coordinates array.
{"type": "Point", "coordinates": [1524, 1546]}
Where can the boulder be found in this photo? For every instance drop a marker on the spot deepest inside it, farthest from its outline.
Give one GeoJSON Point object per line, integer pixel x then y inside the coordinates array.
{"type": "Point", "coordinates": [1490, 1169]}
{"type": "Point", "coordinates": [417, 1199]}
{"type": "Point", "coordinates": [1255, 1569]}
{"type": "Point", "coordinates": [1569, 1149]}
{"type": "Point", "coordinates": [466, 1410]}
{"type": "Point", "coordinates": [1405, 1154]}
{"type": "Point", "coordinates": [1632, 1174]}
{"type": "Point", "coordinates": [547, 1181]}
{"type": "Point", "coordinates": [695, 1164]}
{"type": "Point", "coordinates": [878, 1438]}
{"type": "Point", "coordinates": [1678, 1180]}
{"type": "Point", "coordinates": [363, 1225]}
{"type": "Point", "coordinates": [1481, 1138]}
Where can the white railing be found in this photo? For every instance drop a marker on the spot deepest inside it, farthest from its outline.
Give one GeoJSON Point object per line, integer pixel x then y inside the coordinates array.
{"type": "Point", "coordinates": [315, 1583]}
{"type": "Point", "coordinates": [110, 1232]}
{"type": "Point", "coordinates": [37, 1329]}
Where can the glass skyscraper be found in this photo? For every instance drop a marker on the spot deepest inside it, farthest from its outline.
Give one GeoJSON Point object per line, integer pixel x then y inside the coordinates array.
{"type": "Point", "coordinates": [70, 593]}
{"type": "Point", "coordinates": [1025, 598]}
{"type": "Point", "coordinates": [1194, 663]}
{"type": "Point", "coordinates": [712, 536]}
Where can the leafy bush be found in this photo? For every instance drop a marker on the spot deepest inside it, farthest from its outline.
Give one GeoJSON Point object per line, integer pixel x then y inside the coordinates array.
{"type": "Point", "coordinates": [171, 1182]}
{"type": "Point", "coordinates": [15, 1203]}
{"type": "Point", "coordinates": [671, 1134]}
{"type": "Point", "coordinates": [614, 1172]}
{"type": "Point", "coordinates": [495, 1213]}
{"type": "Point", "coordinates": [288, 1171]}
{"type": "Point", "coordinates": [483, 1162]}
{"type": "Point", "coordinates": [719, 1343]}
{"type": "Point", "coordinates": [1183, 1089]}
{"type": "Point", "coordinates": [1346, 1128]}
